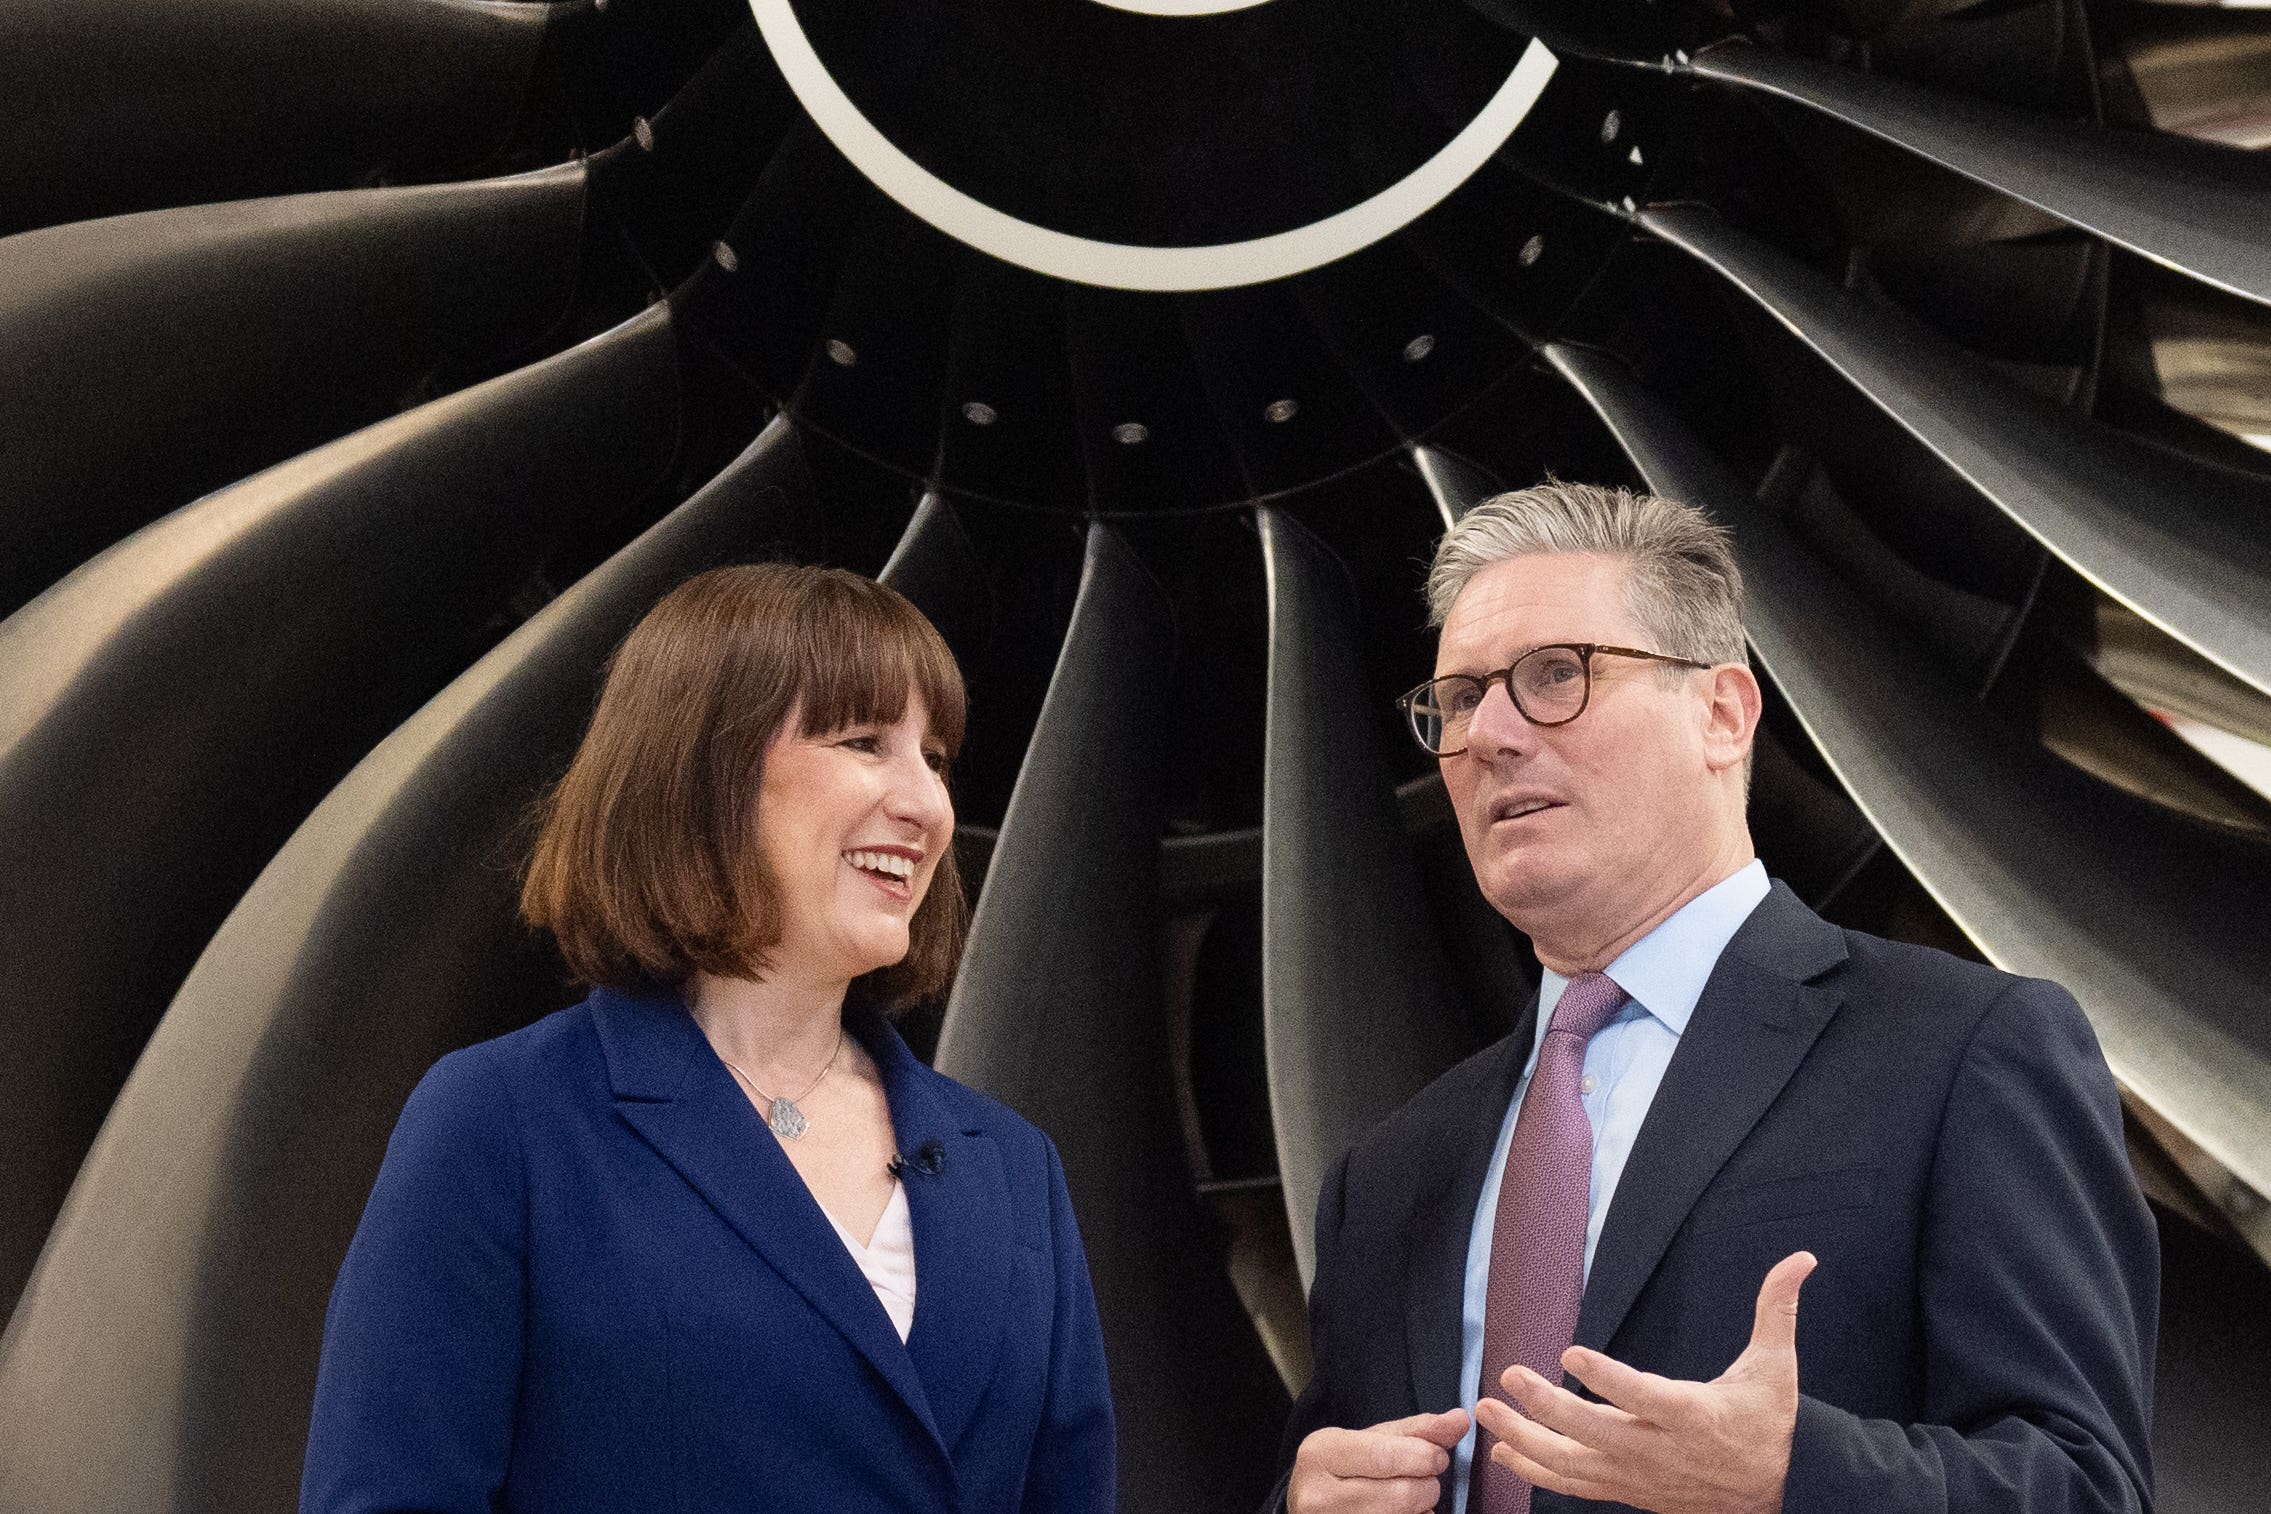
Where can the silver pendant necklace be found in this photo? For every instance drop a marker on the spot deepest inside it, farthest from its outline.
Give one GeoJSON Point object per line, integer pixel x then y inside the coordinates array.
{"type": "Point", "coordinates": [787, 1121]}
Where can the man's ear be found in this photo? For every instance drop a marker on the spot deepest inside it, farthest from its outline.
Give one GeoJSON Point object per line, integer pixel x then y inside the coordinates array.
{"type": "Point", "coordinates": [1731, 715]}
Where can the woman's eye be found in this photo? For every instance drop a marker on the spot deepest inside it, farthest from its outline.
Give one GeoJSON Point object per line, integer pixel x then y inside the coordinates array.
{"type": "Point", "coordinates": [860, 743]}
{"type": "Point", "coordinates": [937, 761]}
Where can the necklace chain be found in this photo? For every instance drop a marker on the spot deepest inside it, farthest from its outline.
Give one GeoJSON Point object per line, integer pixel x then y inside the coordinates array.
{"type": "Point", "coordinates": [815, 1083]}
{"type": "Point", "coordinates": [786, 1119]}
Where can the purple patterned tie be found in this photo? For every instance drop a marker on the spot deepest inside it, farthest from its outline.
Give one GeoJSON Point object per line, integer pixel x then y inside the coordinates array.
{"type": "Point", "coordinates": [1537, 1243]}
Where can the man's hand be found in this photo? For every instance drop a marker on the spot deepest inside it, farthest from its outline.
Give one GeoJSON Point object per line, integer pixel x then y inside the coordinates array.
{"type": "Point", "coordinates": [1389, 1469]}
{"type": "Point", "coordinates": [1721, 1447]}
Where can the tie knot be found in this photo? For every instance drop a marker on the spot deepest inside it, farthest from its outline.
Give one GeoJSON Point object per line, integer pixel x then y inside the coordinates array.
{"type": "Point", "coordinates": [1586, 1005]}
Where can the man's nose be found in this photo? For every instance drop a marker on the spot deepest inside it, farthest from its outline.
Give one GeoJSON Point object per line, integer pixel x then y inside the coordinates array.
{"type": "Point", "coordinates": [1497, 729]}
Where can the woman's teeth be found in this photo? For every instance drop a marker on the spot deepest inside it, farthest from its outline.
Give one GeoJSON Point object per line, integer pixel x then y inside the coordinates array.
{"type": "Point", "coordinates": [887, 863]}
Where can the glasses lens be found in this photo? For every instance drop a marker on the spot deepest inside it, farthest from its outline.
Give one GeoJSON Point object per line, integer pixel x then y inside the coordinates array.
{"type": "Point", "coordinates": [1440, 711]}
{"type": "Point", "coordinates": [1551, 681]}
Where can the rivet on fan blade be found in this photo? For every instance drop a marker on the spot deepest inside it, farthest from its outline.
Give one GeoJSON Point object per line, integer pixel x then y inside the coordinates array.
{"type": "Point", "coordinates": [643, 134]}
{"type": "Point", "coordinates": [1419, 347]}
{"type": "Point", "coordinates": [725, 257]}
{"type": "Point", "coordinates": [1532, 250]}
{"type": "Point", "coordinates": [979, 413]}
{"type": "Point", "coordinates": [1611, 124]}
{"type": "Point", "coordinates": [1281, 411]}
{"type": "Point", "coordinates": [1633, 157]}
{"type": "Point", "coordinates": [840, 353]}
{"type": "Point", "coordinates": [1130, 433]}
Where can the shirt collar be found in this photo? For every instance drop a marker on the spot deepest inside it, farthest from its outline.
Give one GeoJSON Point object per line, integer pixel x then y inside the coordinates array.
{"type": "Point", "coordinates": [1664, 971]}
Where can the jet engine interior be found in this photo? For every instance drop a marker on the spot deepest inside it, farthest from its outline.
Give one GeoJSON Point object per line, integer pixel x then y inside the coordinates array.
{"type": "Point", "coordinates": [368, 367]}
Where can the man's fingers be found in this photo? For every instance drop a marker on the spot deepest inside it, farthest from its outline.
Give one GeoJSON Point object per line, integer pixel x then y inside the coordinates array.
{"type": "Point", "coordinates": [1542, 1476]}
{"type": "Point", "coordinates": [1659, 1400]}
{"type": "Point", "coordinates": [1541, 1444]}
{"type": "Point", "coordinates": [1495, 1417]}
{"type": "Point", "coordinates": [1374, 1454]}
{"type": "Point", "coordinates": [1412, 1424]}
{"type": "Point", "coordinates": [1444, 1429]}
{"type": "Point", "coordinates": [1390, 1467]}
{"type": "Point", "coordinates": [1539, 1455]}
{"type": "Point", "coordinates": [1558, 1409]}
{"type": "Point", "coordinates": [1775, 1327]}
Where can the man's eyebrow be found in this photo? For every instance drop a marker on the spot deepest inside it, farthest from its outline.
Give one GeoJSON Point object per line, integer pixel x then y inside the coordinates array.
{"type": "Point", "coordinates": [1475, 672]}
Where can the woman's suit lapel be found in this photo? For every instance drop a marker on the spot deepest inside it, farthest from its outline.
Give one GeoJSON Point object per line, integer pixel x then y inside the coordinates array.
{"type": "Point", "coordinates": [672, 1089]}
{"type": "Point", "coordinates": [959, 1207]}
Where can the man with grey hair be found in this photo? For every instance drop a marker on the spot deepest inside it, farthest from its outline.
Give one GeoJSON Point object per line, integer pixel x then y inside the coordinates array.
{"type": "Point", "coordinates": [1605, 1218]}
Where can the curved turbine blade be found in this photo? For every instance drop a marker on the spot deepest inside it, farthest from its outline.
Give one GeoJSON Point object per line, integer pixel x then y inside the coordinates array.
{"type": "Point", "coordinates": [939, 570]}
{"type": "Point", "coordinates": [937, 567]}
{"type": "Point", "coordinates": [2199, 70]}
{"type": "Point", "coordinates": [2186, 545]}
{"type": "Point", "coordinates": [155, 357]}
{"type": "Point", "coordinates": [2051, 875]}
{"type": "Point", "coordinates": [1357, 1008]}
{"type": "Point", "coordinates": [1455, 484]}
{"type": "Point", "coordinates": [1057, 1012]}
{"type": "Point", "coordinates": [117, 105]}
{"type": "Point", "coordinates": [2196, 207]}
{"type": "Point", "coordinates": [172, 710]}
{"type": "Point", "coordinates": [164, 1355]}
{"type": "Point", "coordinates": [2211, 1397]}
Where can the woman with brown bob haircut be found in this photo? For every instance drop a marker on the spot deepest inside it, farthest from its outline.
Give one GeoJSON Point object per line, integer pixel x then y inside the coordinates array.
{"type": "Point", "coordinates": [713, 1238]}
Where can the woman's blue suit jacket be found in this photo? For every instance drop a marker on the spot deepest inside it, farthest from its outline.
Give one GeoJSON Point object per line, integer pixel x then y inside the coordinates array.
{"type": "Point", "coordinates": [589, 1279]}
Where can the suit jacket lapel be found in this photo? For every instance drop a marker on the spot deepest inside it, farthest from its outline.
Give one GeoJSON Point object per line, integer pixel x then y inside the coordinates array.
{"type": "Point", "coordinates": [672, 1089]}
{"type": "Point", "coordinates": [1436, 1276]}
{"type": "Point", "coordinates": [959, 1207]}
{"type": "Point", "coordinates": [1754, 1024]}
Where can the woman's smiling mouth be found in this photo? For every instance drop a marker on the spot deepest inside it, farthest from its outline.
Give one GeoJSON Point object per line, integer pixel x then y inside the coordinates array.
{"type": "Point", "coordinates": [892, 871]}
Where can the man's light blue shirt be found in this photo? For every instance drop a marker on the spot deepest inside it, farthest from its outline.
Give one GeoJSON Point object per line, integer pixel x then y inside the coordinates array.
{"type": "Point", "coordinates": [1663, 974]}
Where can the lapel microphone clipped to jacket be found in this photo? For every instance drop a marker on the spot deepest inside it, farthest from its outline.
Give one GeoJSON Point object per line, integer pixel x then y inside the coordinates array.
{"type": "Point", "coordinates": [929, 1160]}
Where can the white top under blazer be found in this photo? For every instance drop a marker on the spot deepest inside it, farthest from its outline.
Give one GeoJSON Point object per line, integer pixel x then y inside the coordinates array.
{"type": "Point", "coordinates": [888, 1258]}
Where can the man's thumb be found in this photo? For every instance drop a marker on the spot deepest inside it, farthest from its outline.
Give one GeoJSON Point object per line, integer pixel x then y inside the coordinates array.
{"type": "Point", "coordinates": [1775, 1326]}
{"type": "Point", "coordinates": [1444, 1429]}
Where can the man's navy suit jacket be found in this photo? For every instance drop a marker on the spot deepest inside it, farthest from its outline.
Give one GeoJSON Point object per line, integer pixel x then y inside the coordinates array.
{"type": "Point", "coordinates": [589, 1279]}
{"type": "Point", "coordinates": [1946, 1138]}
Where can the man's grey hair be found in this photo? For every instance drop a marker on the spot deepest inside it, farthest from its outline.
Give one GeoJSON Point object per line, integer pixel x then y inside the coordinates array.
{"type": "Point", "coordinates": [1681, 584]}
